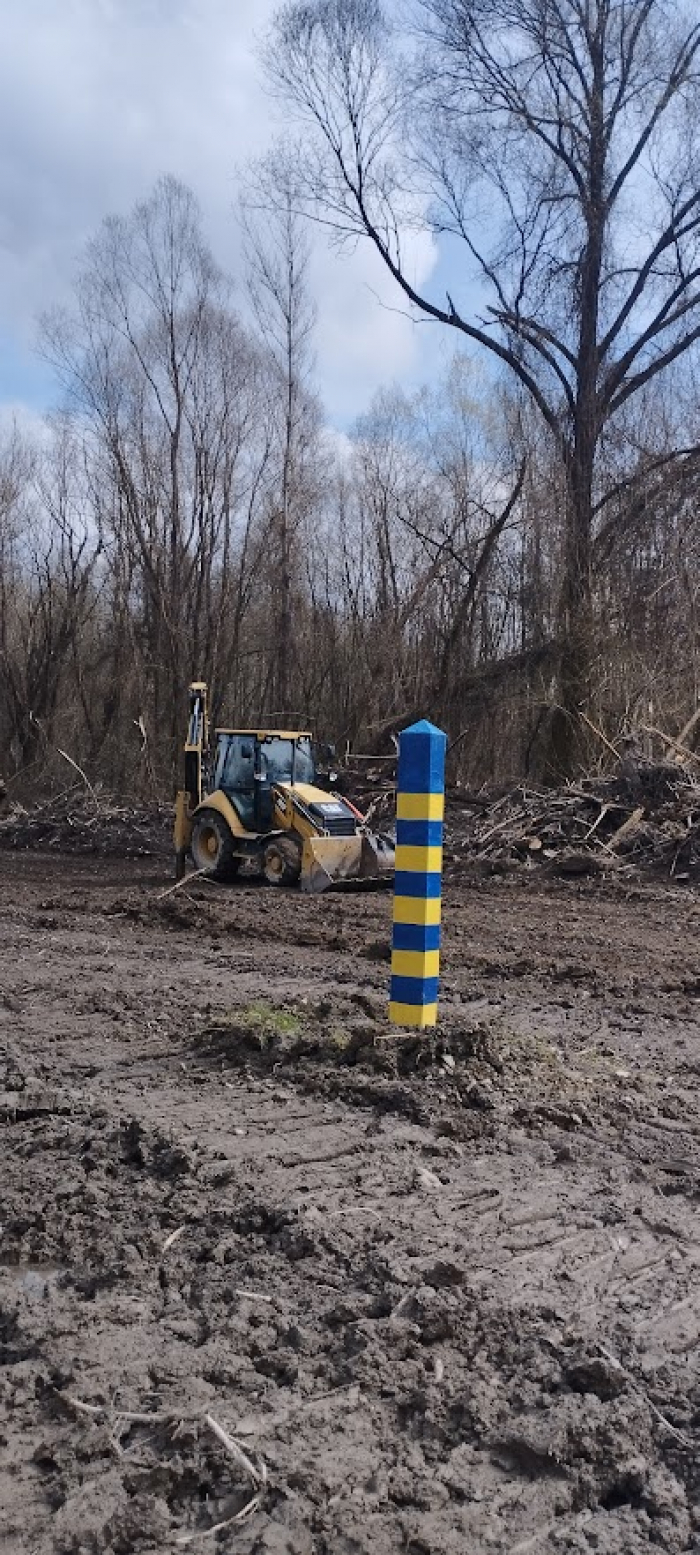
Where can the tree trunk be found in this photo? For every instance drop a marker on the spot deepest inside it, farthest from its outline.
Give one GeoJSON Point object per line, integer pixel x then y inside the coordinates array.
{"type": "Point", "coordinates": [575, 628]}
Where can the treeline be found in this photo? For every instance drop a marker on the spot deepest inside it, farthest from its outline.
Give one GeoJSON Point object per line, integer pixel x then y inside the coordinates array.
{"type": "Point", "coordinates": [188, 514]}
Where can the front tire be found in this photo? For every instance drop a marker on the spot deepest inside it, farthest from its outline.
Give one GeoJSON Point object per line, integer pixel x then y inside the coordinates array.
{"type": "Point", "coordinates": [212, 846]}
{"type": "Point", "coordinates": [282, 861]}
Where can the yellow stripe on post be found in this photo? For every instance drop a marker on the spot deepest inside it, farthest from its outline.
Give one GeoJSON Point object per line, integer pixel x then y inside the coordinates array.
{"type": "Point", "coordinates": [422, 861]}
{"type": "Point", "coordinates": [420, 807]}
{"type": "Point", "coordinates": [415, 963]}
{"type": "Point", "coordinates": [412, 1014]}
{"type": "Point", "coordinates": [422, 910]}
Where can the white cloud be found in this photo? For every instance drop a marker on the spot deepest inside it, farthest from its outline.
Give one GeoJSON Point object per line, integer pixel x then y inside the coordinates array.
{"type": "Point", "coordinates": [366, 337]}
{"type": "Point", "coordinates": [97, 98]}
{"type": "Point", "coordinates": [17, 416]}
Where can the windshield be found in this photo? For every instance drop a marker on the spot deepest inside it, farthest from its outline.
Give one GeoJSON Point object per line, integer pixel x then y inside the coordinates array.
{"type": "Point", "coordinates": [277, 756]}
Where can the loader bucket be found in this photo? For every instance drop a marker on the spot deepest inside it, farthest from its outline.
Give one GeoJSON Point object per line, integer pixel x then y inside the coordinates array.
{"type": "Point", "coordinates": [346, 863]}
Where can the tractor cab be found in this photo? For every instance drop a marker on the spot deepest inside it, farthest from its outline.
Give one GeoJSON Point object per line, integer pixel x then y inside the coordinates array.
{"type": "Point", "coordinates": [248, 762]}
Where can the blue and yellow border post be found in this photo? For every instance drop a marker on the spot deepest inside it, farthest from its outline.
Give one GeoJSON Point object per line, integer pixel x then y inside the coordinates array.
{"type": "Point", "coordinates": [420, 806]}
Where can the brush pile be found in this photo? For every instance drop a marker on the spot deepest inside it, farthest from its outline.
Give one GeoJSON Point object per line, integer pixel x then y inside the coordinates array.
{"type": "Point", "coordinates": [645, 818]}
{"type": "Point", "coordinates": [644, 815]}
{"type": "Point", "coordinates": [93, 822]}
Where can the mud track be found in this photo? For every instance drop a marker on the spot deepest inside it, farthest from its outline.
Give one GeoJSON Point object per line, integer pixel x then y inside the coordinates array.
{"type": "Point", "coordinates": [441, 1292]}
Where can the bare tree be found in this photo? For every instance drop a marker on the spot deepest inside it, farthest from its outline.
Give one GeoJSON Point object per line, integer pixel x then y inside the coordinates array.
{"type": "Point", "coordinates": [167, 381]}
{"type": "Point", "coordinates": [277, 254]}
{"type": "Point", "coordinates": [554, 141]}
{"type": "Point", "coordinates": [48, 591]}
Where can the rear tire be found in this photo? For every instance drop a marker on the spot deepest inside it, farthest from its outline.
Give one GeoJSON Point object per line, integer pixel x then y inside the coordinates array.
{"type": "Point", "coordinates": [282, 861]}
{"type": "Point", "coordinates": [212, 846]}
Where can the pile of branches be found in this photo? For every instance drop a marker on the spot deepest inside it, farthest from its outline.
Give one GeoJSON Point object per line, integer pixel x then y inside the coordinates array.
{"type": "Point", "coordinates": [88, 821]}
{"type": "Point", "coordinates": [645, 815]}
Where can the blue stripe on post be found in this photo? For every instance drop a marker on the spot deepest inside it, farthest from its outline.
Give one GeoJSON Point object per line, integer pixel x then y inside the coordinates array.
{"type": "Point", "coordinates": [414, 990]}
{"type": "Point", "coordinates": [421, 766]}
{"type": "Point", "coordinates": [416, 936]}
{"type": "Point", "coordinates": [411, 882]}
{"type": "Point", "coordinates": [419, 834]}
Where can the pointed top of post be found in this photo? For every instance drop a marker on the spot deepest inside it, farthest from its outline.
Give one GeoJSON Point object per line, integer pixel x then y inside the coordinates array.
{"type": "Point", "coordinates": [424, 726]}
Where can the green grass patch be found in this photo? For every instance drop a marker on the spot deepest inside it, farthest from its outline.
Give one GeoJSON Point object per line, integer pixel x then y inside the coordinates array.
{"type": "Point", "coordinates": [265, 1023]}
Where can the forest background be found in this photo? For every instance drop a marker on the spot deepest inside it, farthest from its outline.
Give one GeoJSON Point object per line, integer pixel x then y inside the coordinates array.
{"type": "Point", "coordinates": [511, 551]}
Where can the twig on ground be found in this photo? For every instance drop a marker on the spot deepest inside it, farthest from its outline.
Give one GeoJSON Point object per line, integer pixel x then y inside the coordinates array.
{"type": "Point", "coordinates": [238, 1517]}
{"type": "Point", "coordinates": [83, 775]}
{"type": "Point", "coordinates": [257, 1476]}
{"type": "Point", "coordinates": [120, 1417]}
{"type": "Point", "coordinates": [135, 1417]}
{"type": "Point", "coordinates": [603, 812]}
{"type": "Point", "coordinates": [173, 1238]}
{"type": "Point", "coordinates": [628, 827]}
{"type": "Point", "coordinates": [186, 880]}
{"type": "Point", "coordinates": [667, 739]}
{"type": "Point", "coordinates": [636, 1387]}
{"type": "Point", "coordinates": [354, 1209]}
{"type": "Point", "coordinates": [599, 733]}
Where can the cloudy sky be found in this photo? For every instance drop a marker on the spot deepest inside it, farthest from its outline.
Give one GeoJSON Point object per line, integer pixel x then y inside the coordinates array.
{"type": "Point", "coordinates": [97, 98]}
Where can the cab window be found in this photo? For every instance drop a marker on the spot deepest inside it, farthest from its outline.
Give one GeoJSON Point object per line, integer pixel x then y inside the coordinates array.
{"type": "Point", "coordinates": [235, 768]}
{"type": "Point", "coordinates": [277, 756]}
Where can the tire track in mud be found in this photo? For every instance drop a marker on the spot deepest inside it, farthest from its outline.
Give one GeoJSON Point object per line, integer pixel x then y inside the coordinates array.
{"type": "Point", "coordinates": [448, 1307]}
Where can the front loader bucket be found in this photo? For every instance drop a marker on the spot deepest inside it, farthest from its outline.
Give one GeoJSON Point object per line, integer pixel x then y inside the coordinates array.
{"type": "Point", "coordinates": [346, 863]}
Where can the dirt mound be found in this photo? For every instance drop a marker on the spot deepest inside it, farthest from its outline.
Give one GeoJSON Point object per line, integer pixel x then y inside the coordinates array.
{"type": "Point", "coordinates": [342, 1048]}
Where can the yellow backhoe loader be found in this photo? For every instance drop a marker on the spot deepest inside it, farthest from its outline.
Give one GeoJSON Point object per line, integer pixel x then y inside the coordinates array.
{"type": "Point", "coordinates": [255, 795]}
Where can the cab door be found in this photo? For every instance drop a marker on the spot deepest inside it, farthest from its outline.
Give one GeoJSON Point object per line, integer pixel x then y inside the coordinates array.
{"type": "Point", "coordinates": [235, 774]}
{"type": "Point", "coordinates": [263, 808]}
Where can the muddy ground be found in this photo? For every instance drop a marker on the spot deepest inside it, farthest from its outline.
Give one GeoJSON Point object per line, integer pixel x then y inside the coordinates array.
{"type": "Point", "coordinates": [439, 1294]}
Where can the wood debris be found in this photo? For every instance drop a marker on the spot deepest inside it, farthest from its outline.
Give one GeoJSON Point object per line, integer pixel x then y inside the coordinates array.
{"type": "Point", "coordinates": [644, 815]}
{"type": "Point", "coordinates": [78, 822]}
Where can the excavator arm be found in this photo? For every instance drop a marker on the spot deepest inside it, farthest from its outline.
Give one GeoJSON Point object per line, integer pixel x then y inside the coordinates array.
{"type": "Point", "coordinates": [196, 751]}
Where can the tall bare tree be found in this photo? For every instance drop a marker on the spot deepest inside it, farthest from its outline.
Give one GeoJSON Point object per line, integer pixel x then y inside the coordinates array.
{"type": "Point", "coordinates": [167, 382]}
{"type": "Point", "coordinates": [555, 145]}
{"type": "Point", "coordinates": [278, 256]}
{"type": "Point", "coordinates": [48, 591]}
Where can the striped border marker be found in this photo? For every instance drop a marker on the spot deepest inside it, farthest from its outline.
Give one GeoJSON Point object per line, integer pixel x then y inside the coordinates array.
{"type": "Point", "coordinates": [420, 806]}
